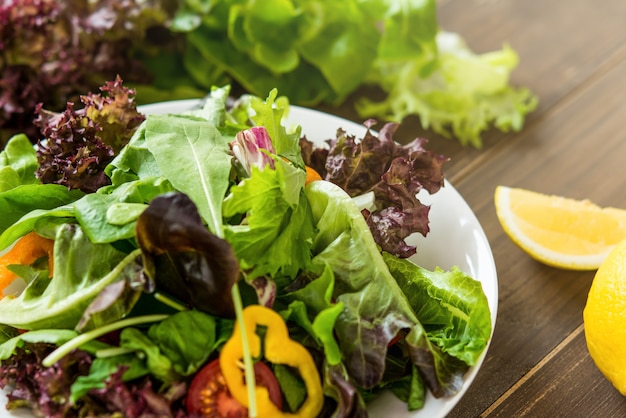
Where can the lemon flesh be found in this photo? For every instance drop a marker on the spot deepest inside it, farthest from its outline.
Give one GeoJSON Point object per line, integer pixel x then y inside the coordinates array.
{"type": "Point", "coordinates": [557, 231]}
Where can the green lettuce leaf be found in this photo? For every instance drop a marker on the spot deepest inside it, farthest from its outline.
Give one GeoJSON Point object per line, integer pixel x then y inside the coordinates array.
{"type": "Point", "coordinates": [375, 308]}
{"type": "Point", "coordinates": [308, 50]}
{"type": "Point", "coordinates": [18, 163]}
{"type": "Point", "coordinates": [459, 94]}
{"type": "Point", "coordinates": [81, 271]}
{"type": "Point", "coordinates": [450, 304]}
{"type": "Point", "coordinates": [278, 230]}
{"type": "Point", "coordinates": [17, 203]}
{"type": "Point", "coordinates": [317, 296]}
{"type": "Point", "coordinates": [269, 113]}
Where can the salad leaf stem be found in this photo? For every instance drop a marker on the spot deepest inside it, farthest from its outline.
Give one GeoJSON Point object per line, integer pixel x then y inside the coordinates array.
{"type": "Point", "coordinates": [169, 302]}
{"type": "Point", "coordinates": [247, 358]}
{"type": "Point", "coordinates": [75, 343]}
{"type": "Point", "coordinates": [115, 351]}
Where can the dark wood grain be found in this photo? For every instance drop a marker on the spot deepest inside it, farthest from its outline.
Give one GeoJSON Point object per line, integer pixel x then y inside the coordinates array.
{"type": "Point", "coordinates": [573, 55]}
{"type": "Point", "coordinates": [566, 382]}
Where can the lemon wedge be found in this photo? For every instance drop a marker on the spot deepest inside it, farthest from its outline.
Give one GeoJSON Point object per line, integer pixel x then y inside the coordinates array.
{"type": "Point", "coordinates": [558, 231]}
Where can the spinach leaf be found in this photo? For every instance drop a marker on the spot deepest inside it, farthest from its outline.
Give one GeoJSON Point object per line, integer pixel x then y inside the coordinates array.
{"type": "Point", "coordinates": [159, 365]}
{"type": "Point", "coordinates": [187, 338]}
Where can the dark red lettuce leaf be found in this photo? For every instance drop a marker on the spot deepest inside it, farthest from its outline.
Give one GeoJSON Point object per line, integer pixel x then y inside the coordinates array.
{"type": "Point", "coordinates": [184, 258]}
{"type": "Point", "coordinates": [139, 398]}
{"type": "Point", "coordinates": [46, 390]}
{"type": "Point", "coordinates": [43, 389]}
{"type": "Point", "coordinates": [350, 404]}
{"type": "Point", "coordinates": [79, 143]}
{"type": "Point", "coordinates": [54, 50]}
{"type": "Point", "coordinates": [394, 172]}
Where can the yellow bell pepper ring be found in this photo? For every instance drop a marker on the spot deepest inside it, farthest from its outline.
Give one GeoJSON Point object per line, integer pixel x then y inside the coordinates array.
{"type": "Point", "coordinates": [279, 349]}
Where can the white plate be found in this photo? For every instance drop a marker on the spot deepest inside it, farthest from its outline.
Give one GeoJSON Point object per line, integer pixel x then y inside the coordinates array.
{"type": "Point", "coordinates": [455, 239]}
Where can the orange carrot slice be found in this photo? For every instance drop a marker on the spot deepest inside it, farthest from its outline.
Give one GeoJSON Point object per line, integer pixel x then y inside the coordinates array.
{"type": "Point", "coordinates": [311, 175]}
{"type": "Point", "coordinates": [26, 251]}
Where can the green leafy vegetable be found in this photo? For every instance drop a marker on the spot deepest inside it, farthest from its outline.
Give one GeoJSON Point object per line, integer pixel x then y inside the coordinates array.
{"type": "Point", "coordinates": [451, 305]}
{"type": "Point", "coordinates": [100, 371]}
{"type": "Point", "coordinates": [26, 203]}
{"type": "Point", "coordinates": [195, 157]}
{"type": "Point", "coordinates": [51, 336]}
{"type": "Point", "coordinates": [278, 231]}
{"type": "Point", "coordinates": [375, 308]}
{"type": "Point", "coordinates": [307, 49]}
{"type": "Point", "coordinates": [460, 94]}
{"type": "Point", "coordinates": [79, 143]}
{"type": "Point", "coordinates": [82, 271]}
{"type": "Point", "coordinates": [187, 338]}
{"type": "Point", "coordinates": [18, 163]}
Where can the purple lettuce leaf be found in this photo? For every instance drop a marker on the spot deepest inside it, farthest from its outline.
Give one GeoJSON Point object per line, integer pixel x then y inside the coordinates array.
{"type": "Point", "coordinates": [46, 390]}
{"type": "Point", "coordinates": [54, 50]}
{"type": "Point", "coordinates": [394, 172]}
{"type": "Point", "coordinates": [79, 143]}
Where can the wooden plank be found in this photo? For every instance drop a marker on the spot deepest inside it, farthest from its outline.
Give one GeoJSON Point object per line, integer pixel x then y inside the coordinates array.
{"type": "Point", "coordinates": [577, 151]}
{"type": "Point", "coordinates": [568, 380]}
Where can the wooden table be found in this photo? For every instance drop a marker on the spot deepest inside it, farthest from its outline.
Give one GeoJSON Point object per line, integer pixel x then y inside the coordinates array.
{"type": "Point", "coordinates": [573, 57]}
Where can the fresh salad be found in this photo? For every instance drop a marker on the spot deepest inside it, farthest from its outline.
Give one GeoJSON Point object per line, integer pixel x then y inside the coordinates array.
{"type": "Point", "coordinates": [216, 263]}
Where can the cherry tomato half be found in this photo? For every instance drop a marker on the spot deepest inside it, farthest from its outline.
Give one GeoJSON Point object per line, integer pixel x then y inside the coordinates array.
{"type": "Point", "coordinates": [209, 397]}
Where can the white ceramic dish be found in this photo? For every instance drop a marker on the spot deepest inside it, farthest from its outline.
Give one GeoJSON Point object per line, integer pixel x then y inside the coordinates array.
{"type": "Point", "coordinates": [455, 239]}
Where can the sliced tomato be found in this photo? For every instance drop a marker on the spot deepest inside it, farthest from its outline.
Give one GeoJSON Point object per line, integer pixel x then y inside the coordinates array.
{"type": "Point", "coordinates": [209, 397]}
